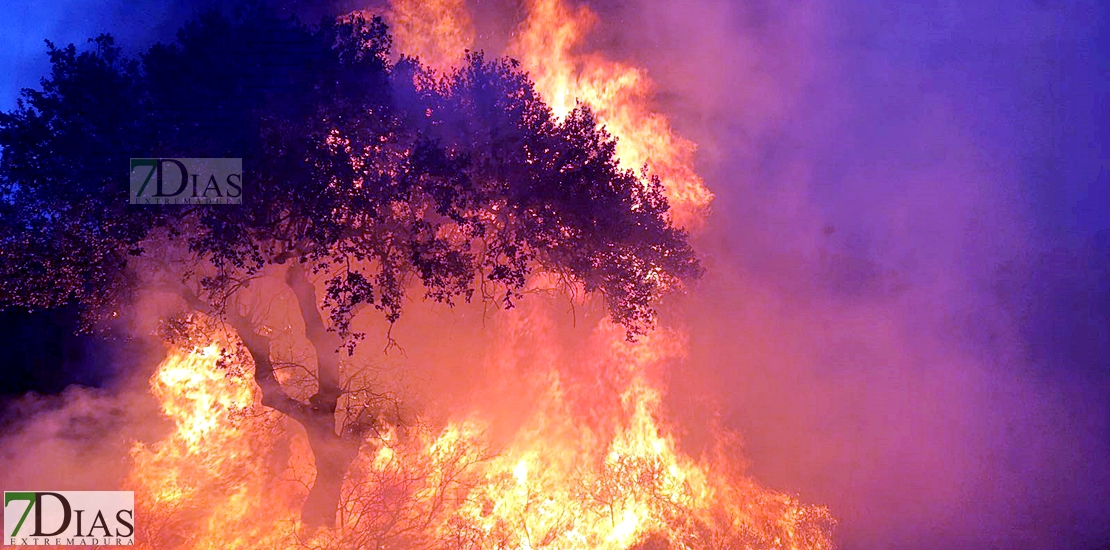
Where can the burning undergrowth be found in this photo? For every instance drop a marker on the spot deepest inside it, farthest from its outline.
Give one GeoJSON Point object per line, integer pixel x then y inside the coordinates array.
{"type": "Point", "coordinates": [594, 463]}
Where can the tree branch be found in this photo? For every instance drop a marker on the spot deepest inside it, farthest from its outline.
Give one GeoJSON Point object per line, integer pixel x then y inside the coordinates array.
{"type": "Point", "coordinates": [273, 395]}
{"type": "Point", "coordinates": [325, 342]}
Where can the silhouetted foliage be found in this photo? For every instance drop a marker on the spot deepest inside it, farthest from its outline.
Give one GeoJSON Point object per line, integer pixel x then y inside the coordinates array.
{"type": "Point", "coordinates": [370, 168]}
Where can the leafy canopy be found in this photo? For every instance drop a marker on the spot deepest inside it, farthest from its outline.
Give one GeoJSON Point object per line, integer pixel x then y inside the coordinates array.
{"type": "Point", "coordinates": [365, 167]}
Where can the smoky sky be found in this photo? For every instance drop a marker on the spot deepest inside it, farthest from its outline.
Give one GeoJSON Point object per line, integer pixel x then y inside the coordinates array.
{"type": "Point", "coordinates": [907, 305]}
{"type": "Point", "coordinates": [907, 310]}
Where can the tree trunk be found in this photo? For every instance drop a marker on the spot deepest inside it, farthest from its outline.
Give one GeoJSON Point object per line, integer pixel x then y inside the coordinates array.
{"type": "Point", "coordinates": [333, 455]}
{"type": "Point", "coordinates": [329, 451]}
{"type": "Point", "coordinates": [332, 452]}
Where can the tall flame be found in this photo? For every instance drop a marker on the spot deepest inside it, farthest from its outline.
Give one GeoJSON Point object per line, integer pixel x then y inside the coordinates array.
{"type": "Point", "coordinates": [550, 46]}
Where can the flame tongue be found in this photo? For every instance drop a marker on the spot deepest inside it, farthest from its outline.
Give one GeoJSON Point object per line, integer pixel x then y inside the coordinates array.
{"type": "Point", "coordinates": [550, 46]}
{"type": "Point", "coordinates": [437, 31]}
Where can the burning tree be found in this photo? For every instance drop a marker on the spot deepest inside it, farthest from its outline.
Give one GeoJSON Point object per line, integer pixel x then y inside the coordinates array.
{"type": "Point", "coordinates": [365, 178]}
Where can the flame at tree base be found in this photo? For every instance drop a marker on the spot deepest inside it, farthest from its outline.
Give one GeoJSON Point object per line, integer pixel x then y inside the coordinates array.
{"type": "Point", "coordinates": [233, 474]}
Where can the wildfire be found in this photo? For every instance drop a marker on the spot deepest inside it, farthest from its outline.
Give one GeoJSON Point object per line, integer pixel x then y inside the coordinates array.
{"type": "Point", "coordinates": [231, 473]}
{"type": "Point", "coordinates": [595, 463]}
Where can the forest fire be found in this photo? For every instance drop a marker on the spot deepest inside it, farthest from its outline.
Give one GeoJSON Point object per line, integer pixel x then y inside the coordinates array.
{"type": "Point", "coordinates": [594, 464]}
{"type": "Point", "coordinates": [253, 459]}
{"type": "Point", "coordinates": [554, 274]}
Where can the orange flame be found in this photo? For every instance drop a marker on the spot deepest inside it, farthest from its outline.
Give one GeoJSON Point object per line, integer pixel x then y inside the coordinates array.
{"type": "Point", "coordinates": [550, 46]}
{"type": "Point", "coordinates": [232, 474]}
{"type": "Point", "coordinates": [437, 31]}
{"type": "Point", "coordinates": [203, 485]}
